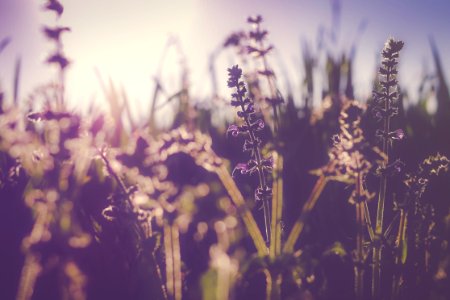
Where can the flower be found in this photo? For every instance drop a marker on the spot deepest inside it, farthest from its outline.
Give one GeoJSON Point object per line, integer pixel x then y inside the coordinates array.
{"type": "Point", "coordinates": [54, 5]}
{"type": "Point", "coordinates": [54, 33]}
{"type": "Point", "coordinates": [255, 19]}
{"type": "Point", "coordinates": [234, 74]}
{"type": "Point", "coordinates": [58, 59]}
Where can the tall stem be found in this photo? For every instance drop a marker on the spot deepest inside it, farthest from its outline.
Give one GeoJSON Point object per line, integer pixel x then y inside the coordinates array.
{"type": "Point", "coordinates": [277, 206]}
{"type": "Point", "coordinates": [377, 251]}
{"type": "Point", "coordinates": [399, 244]}
{"type": "Point", "coordinates": [306, 210]}
{"type": "Point", "coordinates": [359, 270]}
{"type": "Point", "coordinates": [247, 217]}
{"type": "Point", "coordinates": [360, 223]}
{"type": "Point", "coordinates": [271, 84]}
{"type": "Point", "coordinates": [173, 261]}
{"type": "Point", "coordinates": [273, 285]}
{"type": "Point", "coordinates": [258, 159]}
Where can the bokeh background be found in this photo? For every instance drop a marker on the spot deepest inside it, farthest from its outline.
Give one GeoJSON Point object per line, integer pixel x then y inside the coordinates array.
{"type": "Point", "coordinates": [126, 40]}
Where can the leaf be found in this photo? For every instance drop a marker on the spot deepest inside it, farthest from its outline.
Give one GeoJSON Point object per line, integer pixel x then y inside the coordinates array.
{"type": "Point", "coordinates": [404, 249]}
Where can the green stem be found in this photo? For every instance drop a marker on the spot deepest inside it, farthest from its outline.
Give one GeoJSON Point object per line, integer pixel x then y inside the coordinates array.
{"type": "Point", "coordinates": [360, 224]}
{"type": "Point", "coordinates": [247, 217]}
{"type": "Point", "coordinates": [306, 210]}
{"type": "Point", "coordinates": [259, 167]}
{"type": "Point", "coordinates": [398, 260]}
{"type": "Point", "coordinates": [277, 207]}
{"type": "Point", "coordinates": [272, 88]}
{"type": "Point", "coordinates": [377, 251]}
{"type": "Point", "coordinates": [359, 270]}
{"type": "Point", "coordinates": [273, 285]}
{"type": "Point", "coordinates": [173, 261]}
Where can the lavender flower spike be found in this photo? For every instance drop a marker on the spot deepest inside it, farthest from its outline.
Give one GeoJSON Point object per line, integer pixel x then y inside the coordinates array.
{"type": "Point", "coordinates": [250, 128]}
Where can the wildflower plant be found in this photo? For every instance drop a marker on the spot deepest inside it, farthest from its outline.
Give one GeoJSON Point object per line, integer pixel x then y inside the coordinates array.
{"type": "Point", "coordinates": [166, 214]}
{"type": "Point", "coordinates": [258, 48]}
{"type": "Point", "coordinates": [385, 107]}
{"type": "Point", "coordinates": [252, 125]}
{"type": "Point", "coordinates": [58, 57]}
{"type": "Point", "coordinates": [416, 224]}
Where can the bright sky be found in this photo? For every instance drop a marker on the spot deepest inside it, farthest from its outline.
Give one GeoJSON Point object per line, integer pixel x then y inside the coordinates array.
{"type": "Point", "coordinates": [125, 39]}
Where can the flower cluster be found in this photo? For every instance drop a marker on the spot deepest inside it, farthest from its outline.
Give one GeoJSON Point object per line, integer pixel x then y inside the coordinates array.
{"type": "Point", "coordinates": [257, 48]}
{"type": "Point", "coordinates": [54, 35]}
{"type": "Point", "coordinates": [57, 57]}
{"type": "Point", "coordinates": [252, 125]}
{"type": "Point", "coordinates": [418, 182]}
{"type": "Point", "coordinates": [386, 99]}
{"type": "Point", "coordinates": [420, 231]}
{"type": "Point", "coordinates": [348, 157]}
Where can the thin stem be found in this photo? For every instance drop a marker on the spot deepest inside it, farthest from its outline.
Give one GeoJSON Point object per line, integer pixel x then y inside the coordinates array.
{"type": "Point", "coordinates": [269, 282]}
{"type": "Point", "coordinates": [140, 232]}
{"type": "Point", "coordinates": [247, 217]}
{"type": "Point", "coordinates": [306, 210]}
{"type": "Point", "coordinates": [30, 272]}
{"type": "Point", "coordinates": [369, 222]}
{"type": "Point", "coordinates": [360, 222]}
{"type": "Point", "coordinates": [259, 166]}
{"type": "Point", "coordinates": [359, 264]}
{"type": "Point", "coordinates": [377, 252]}
{"type": "Point", "coordinates": [271, 84]}
{"type": "Point", "coordinates": [273, 285]}
{"type": "Point", "coordinates": [173, 261]}
{"type": "Point", "coordinates": [277, 206]}
{"type": "Point", "coordinates": [399, 244]}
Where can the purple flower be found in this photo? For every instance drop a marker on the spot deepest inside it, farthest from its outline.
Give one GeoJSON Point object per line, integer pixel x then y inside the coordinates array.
{"type": "Point", "coordinates": [54, 33]}
{"type": "Point", "coordinates": [263, 193]}
{"type": "Point", "coordinates": [394, 168]}
{"type": "Point", "coordinates": [233, 129]}
{"type": "Point", "coordinates": [58, 59]}
{"type": "Point", "coordinates": [234, 74]}
{"type": "Point", "coordinates": [397, 134]}
{"type": "Point", "coordinates": [257, 125]}
{"type": "Point", "coordinates": [258, 35]}
{"type": "Point", "coordinates": [252, 146]}
{"type": "Point", "coordinates": [259, 52]}
{"type": "Point", "coordinates": [267, 163]}
{"type": "Point", "coordinates": [245, 168]}
{"type": "Point", "coordinates": [55, 6]}
{"type": "Point", "coordinates": [254, 19]}
{"type": "Point", "coordinates": [234, 39]}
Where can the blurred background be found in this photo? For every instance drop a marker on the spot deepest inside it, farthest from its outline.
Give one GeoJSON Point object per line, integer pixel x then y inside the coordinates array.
{"type": "Point", "coordinates": [127, 55]}
{"type": "Point", "coordinates": [127, 42]}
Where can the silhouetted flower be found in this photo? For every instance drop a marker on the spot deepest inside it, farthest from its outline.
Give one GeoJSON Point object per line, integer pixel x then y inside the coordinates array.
{"type": "Point", "coordinates": [258, 35]}
{"type": "Point", "coordinates": [263, 193]}
{"type": "Point", "coordinates": [385, 100]}
{"type": "Point", "coordinates": [234, 39]}
{"type": "Point", "coordinates": [392, 169]}
{"type": "Point", "coordinates": [58, 59]}
{"type": "Point", "coordinates": [55, 6]}
{"type": "Point", "coordinates": [397, 134]}
{"type": "Point", "coordinates": [254, 19]}
{"type": "Point", "coordinates": [349, 155]}
{"type": "Point", "coordinates": [234, 74]}
{"type": "Point", "coordinates": [259, 51]}
{"type": "Point", "coordinates": [252, 125]}
{"type": "Point", "coordinates": [54, 33]}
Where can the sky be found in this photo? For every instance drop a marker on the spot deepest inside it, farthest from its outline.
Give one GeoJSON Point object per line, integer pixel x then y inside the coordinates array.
{"type": "Point", "coordinates": [124, 41]}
